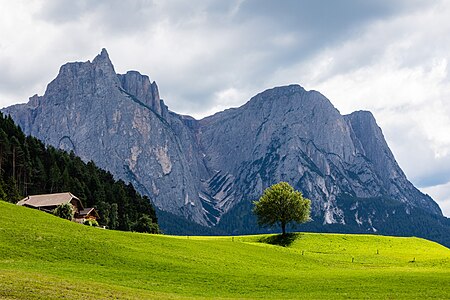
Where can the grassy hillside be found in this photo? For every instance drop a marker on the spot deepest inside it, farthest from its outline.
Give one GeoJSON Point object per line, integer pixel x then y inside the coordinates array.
{"type": "Point", "coordinates": [42, 256]}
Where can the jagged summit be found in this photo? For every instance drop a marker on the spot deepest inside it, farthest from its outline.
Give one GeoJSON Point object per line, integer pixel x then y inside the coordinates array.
{"type": "Point", "coordinates": [103, 55]}
{"type": "Point", "coordinates": [94, 79]}
{"type": "Point", "coordinates": [140, 87]}
{"type": "Point", "coordinates": [208, 171]}
{"type": "Point", "coordinates": [103, 59]}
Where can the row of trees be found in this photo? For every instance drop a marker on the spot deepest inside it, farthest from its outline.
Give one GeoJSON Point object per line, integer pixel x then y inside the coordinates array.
{"type": "Point", "coordinates": [28, 167]}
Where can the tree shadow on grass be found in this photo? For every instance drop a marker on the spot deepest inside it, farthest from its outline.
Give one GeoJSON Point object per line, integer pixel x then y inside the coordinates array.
{"type": "Point", "coordinates": [280, 240]}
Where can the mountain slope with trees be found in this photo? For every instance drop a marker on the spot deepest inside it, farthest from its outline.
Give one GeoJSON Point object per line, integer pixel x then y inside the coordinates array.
{"type": "Point", "coordinates": [28, 167]}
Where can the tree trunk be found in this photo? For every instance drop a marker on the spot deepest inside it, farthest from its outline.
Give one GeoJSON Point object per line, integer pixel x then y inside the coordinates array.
{"type": "Point", "coordinates": [283, 227]}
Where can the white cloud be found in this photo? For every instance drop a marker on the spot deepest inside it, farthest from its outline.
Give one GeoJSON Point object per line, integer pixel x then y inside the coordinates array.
{"type": "Point", "coordinates": [441, 193]}
{"type": "Point", "coordinates": [224, 99]}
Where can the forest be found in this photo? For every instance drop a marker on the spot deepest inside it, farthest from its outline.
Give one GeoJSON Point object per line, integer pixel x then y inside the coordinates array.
{"type": "Point", "coordinates": [29, 167]}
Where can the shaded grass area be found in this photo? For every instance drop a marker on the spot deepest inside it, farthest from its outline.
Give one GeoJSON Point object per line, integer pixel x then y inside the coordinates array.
{"type": "Point", "coordinates": [43, 257]}
{"type": "Point", "coordinates": [284, 240]}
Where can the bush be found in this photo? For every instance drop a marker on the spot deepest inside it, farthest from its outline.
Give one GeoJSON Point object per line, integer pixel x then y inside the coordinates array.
{"type": "Point", "coordinates": [64, 211]}
{"type": "Point", "coordinates": [145, 224]}
{"type": "Point", "coordinates": [91, 223]}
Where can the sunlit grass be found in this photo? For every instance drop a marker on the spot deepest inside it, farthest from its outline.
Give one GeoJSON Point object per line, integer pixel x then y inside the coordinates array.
{"type": "Point", "coordinates": [44, 257]}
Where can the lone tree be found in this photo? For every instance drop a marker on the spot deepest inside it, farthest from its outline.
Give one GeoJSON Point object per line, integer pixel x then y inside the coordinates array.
{"type": "Point", "coordinates": [281, 204]}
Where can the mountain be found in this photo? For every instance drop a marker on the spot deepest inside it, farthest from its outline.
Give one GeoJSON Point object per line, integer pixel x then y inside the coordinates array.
{"type": "Point", "coordinates": [208, 171]}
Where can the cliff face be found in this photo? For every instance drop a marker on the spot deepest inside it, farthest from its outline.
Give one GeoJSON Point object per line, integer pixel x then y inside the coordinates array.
{"type": "Point", "coordinates": [202, 169]}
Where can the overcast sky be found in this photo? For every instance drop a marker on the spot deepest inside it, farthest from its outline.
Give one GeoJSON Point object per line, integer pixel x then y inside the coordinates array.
{"type": "Point", "coordinates": [389, 57]}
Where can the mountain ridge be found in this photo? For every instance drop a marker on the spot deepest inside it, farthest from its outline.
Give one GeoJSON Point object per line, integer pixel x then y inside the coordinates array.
{"type": "Point", "coordinates": [201, 169]}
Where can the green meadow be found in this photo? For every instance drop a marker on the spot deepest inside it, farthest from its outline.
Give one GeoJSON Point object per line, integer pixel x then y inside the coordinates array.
{"type": "Point", "coordinates": [43, 257]}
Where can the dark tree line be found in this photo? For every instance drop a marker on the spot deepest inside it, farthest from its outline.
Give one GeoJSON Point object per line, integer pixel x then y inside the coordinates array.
{"type": "Point", "coordinates": [28, 167]}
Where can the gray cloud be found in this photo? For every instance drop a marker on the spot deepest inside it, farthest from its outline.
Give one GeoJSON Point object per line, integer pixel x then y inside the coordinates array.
{"type": "Point", "coordinates": [131, 17]}
{"type": "Point", "coordinates": [64, 11]}
{"type": "Point", "coordinates": [242, 42]}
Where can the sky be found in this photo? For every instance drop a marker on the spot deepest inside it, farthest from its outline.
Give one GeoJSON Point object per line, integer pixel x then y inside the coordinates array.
{"type": "Point", "coordinates": [387, 56]}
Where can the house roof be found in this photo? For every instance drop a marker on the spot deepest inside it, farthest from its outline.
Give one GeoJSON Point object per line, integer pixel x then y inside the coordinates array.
{"type": "Point", "coordinates": [47, 200]}
{"type": "Point", "coordinates": [86, 211]}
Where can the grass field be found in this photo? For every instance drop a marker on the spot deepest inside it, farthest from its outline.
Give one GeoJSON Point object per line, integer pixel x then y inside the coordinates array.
{"type": "Point", "coordinates": [44, 257]}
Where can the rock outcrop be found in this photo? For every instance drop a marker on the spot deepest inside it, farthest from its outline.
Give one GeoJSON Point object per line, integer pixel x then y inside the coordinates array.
{"type": "Point", "coordinates": [202, 169]}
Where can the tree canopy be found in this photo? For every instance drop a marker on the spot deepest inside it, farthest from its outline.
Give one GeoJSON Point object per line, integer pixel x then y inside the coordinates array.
{"type": "Point", "coordinates": [280, 205]}
{"type": "Point", "coordinates": [145, 224]}
{"type": "Point", "coordinates": [64, 211]}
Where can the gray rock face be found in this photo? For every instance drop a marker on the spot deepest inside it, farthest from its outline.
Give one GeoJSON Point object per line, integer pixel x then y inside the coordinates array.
{"type": "Point", "coordinates": [202, 169]}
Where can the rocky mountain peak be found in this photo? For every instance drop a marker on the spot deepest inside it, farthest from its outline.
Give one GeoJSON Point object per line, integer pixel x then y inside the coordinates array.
{"type": "Point", "coordinates": [138, 85]}
{"type": "Point", "coordinates": [286, 99]}
{"type": "Point", "coordinates": [88, 78]}
{"type": "Point", "coordinates": [281, 90]}
{"type": "Point", "coordinates": [104, 67]}
{"type": "Point", "coordinates": [102, 58]}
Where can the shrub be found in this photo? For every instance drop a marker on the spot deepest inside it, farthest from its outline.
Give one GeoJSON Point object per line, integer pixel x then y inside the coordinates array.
{"type": "Point", "coordinates": [91, 223]}
{"type": "Point", "coordinates": [145, 224]}
{"type": "Point", "coordinates": [64, 211]}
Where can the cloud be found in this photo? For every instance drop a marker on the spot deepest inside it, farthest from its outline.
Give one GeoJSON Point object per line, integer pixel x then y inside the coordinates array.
{"type": "Point", "coordinates": [441, 193]}
{"type": "Point", "coordinates": [194, 49]}
{"type": "Point", "coordinates": [198, 48]}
